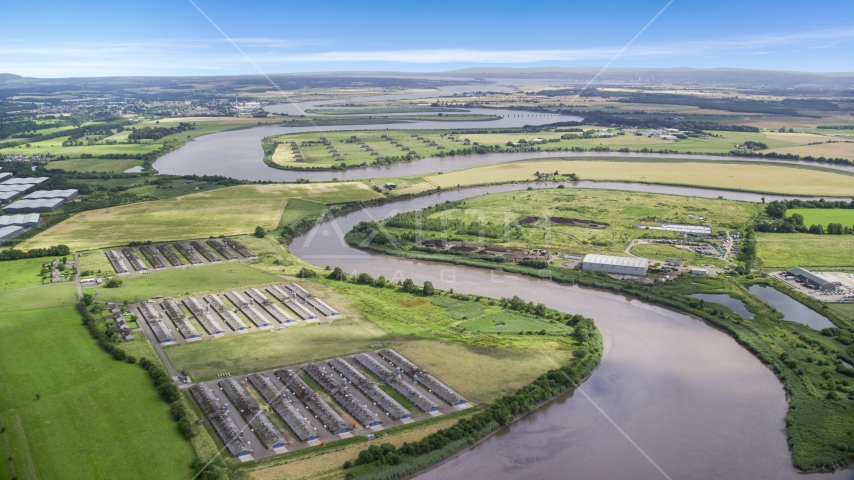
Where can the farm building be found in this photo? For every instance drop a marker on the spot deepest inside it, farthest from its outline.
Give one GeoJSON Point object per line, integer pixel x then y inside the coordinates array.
{"type": "Point", "coordinates": [812, 279]}
{"type": "Point", "coordinates": [618, 265]}
{"type": "Point", "coordinates": [7, 196]}
{"type": "Point", "coordinates": [31, 220]}
{"type": "Point", "coordinates": [680, 228]}
{"type": "Point", "coordinates": [10, 232]}
{"type": "Point", "coordinates": [4, 176]}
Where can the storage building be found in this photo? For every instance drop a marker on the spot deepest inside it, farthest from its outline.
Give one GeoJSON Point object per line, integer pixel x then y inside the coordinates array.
{"type": "Point", "coordinates": [33, 206]}
{"type": "Point", "coordinates": [66, 195]}
{"type": "Point", "coordinates": [618, 265]}
{"type": "Point", "coordinates": [5, 175]}
{"type": "Point", "coordinates": [812, 279]}
{"type": "Point", "coordinates": [10, 232]}
{"type": "Point", "coordinates": [30, 220]}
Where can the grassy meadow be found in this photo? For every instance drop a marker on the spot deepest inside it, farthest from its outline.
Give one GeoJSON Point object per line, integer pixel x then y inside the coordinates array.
{"type": "Point", "coordinates": [21, 273]}
{"type": "Point", "coordinates": [620, 210]}
{"type": "Point", "coordinates": [226, 211]}
{"type": "Point", "coordinates": [823, 216]}
{"type": "Point", "coordinates": [92, 410]}
{"type": "Point", "coordinates": [177, 282]}
{"type": "Point", "coordinates": [785, 250]}
{"type": "Point", "coordinates": [95, 165]}
{"type": "Point", "coordinates": [730, 176]}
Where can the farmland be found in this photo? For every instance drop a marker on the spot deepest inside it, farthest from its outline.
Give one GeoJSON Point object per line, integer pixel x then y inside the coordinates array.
{"type": "Point", "coordinates": [426, 143]}
{"type": "Point", "coordinates": [186, 281]}
{"type": "Point", "coordinates": [21, 273]}
{"type": "Point", "coordinates": [823, 216]}
{"type": "Point", "coordinates": [95, 165]}
{"type": "Point", "coordinates": [804, 250]}
{"type": "Point", "coordinates": [422, 330]}
{"type": "Point", "coordinates": [80, 425]}
{"type": "Point", "coordinates": [730, 176]}
{"type": "Point", "coordinates": [226, 211]}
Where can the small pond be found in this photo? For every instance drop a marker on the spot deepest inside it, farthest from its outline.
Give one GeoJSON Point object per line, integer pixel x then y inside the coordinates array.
{"type": "Point", "coordinates": [792, 310]}
{"type": "Point", "coordinates": [735, 304]}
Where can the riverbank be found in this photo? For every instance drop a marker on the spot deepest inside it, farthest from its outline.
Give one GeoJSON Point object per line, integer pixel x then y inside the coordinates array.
{"type": "Point", "coordinates": [799, 356]}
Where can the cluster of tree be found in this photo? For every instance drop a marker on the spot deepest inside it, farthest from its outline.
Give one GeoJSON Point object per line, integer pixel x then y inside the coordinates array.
{"type": "Point", "coordinates": [795, 223]}
{"type": "Point", "coordinates": [729, 104]}
{"type": "Point", "coordinates": [54, 251]}
{"type": "Point", "coordinates": [171, 395]}
{"type": "Point", "coordinates": [836, 127]}
{"type": "Point", "coordinates": [811, 104]}
{"type": "Point", "coordinates": [751, 145]}
{"type": "Point", "coordinates": [642, 119]}
{"type": "Point", "coordinates": [820, 203]}
{"type": "Point", "coordinates": [366, 279]}
{"type": "Point", "coordinates": [156, 133]}
{"type": "Point", "coordinates": [534, 263]}
{"type": "Point", "coordinates": [748, 249]}
{"type": "Point", "coordinates": [791, 156]}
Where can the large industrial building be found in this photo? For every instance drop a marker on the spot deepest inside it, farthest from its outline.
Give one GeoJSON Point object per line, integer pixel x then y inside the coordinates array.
{"type": "Point", "coordinates": [812, 279]}
{"type": "Point", "coordinates": [616, 265]}
{"type": "Point", "coordinates": [31, 220]}
{"type": "Point", "coordinates": [10, 232]}
{"type": "Point", "coordinates": [42, 201]}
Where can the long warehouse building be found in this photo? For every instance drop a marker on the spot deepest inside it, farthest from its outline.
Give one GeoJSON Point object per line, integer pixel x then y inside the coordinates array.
{"type": "Point", "coordinates": [616, 265]}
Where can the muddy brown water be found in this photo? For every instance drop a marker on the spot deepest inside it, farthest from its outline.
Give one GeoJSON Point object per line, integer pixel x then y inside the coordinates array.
{"type": "Point", "coordinates": [671, 392]}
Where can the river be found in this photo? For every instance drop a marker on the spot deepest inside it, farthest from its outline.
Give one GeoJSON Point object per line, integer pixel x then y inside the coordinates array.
{"type": "Point", "coordinates": [672, 398]}
{"type": "Point", "coordinates": [238, 153]}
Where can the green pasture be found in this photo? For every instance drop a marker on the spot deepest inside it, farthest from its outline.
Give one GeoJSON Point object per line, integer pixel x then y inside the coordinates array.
{"type": "Point", "coordinates": [225, 211]}
{"type": "Point", "coordinates": [785, 250]}
{"type": "Point", "coordinates": [297, 208]}
{"type": "Point", "coordinates": [823, 216]}
{"type": "Point", "coordinates": [95, 165]}
{"type": "Point", "coordinates": [21, 273]}
{"type": "Point", "coordinates": [178, 282]}
{"type": "Point", "coordinates": [92, 409]}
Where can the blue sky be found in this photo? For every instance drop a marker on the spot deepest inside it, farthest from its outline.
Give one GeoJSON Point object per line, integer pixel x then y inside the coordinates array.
{"type": "Point", "coordinates": [52, 39]}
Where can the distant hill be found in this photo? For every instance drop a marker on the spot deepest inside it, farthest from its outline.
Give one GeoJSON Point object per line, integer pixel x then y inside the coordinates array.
{"type": "Point", "coordinates": [5, 77]}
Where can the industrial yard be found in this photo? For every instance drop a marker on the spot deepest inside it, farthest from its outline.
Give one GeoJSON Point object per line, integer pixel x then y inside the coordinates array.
{"type": "Point", "coordinates": [295, 407]}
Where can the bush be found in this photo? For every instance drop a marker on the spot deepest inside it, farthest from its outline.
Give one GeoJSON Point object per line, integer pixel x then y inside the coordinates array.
{"type": "Point", "coordinates": [428, 288]}
{"type": "Point", "coordinates": [114, 282]}
{"type": "Point", "coordinates": [259, 232]}
{"type": "Point", "coordinates": [306, 273]}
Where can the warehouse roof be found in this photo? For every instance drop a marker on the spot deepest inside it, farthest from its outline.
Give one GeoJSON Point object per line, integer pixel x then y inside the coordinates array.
{"type": "Point", "coordinates": [812, 277]}
{"type": "Point", "coordinates": [25, 181]}
{"type": "Point", "coordinates": [10, 231]}
{"type": "Point", "coordinates": [51, 194]}
{"type": "Point", "coordinates": [42, 203]}
{"type": "Point", "coordinates": [19, 219]}
{"type": "Point", "coordinates": [612, 260]}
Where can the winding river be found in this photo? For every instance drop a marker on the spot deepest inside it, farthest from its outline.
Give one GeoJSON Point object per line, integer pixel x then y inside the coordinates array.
{"type": "Point", "coordinates": [238, 153]}
{"type": "Point", "coordinates": [673, 397]}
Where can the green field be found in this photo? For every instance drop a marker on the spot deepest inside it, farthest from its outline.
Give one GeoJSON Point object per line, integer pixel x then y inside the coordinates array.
{"type": "Point", "coordinates": [177, 282]}
{"type": "Point", "coordinates": [667, 252]}
{"type": "Point", "coordinates": [297, 208]}
{"type": "Point", "coordinates": [430, 332]}
{"type": "Point", "coordinates": [35, 298]}
{"type": "Point", "coordinates": [785, 250]}
{"type": "Point", "coordinates": [95, 165]}
{"type": "Point", "coordinates": [729, 176]}
{"type": "Point", "coordinates": [844, 309]}
{"type": "Point", "coordinates": [21, 273]}
{"type": "Point", "coordinates": [499, 213]}
{"type": "Point", "coordinates": [225, 211]}
{"type": "Point", "coordinates": [316, 154]}
{"type": "Point", "coordinates": [93, 411]}
{"type": "Point", "coordinates": [823, 216]}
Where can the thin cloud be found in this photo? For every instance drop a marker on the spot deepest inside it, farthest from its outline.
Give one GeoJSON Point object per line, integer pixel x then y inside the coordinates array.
{"type": "Point", "coordinates": [166, 56]}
